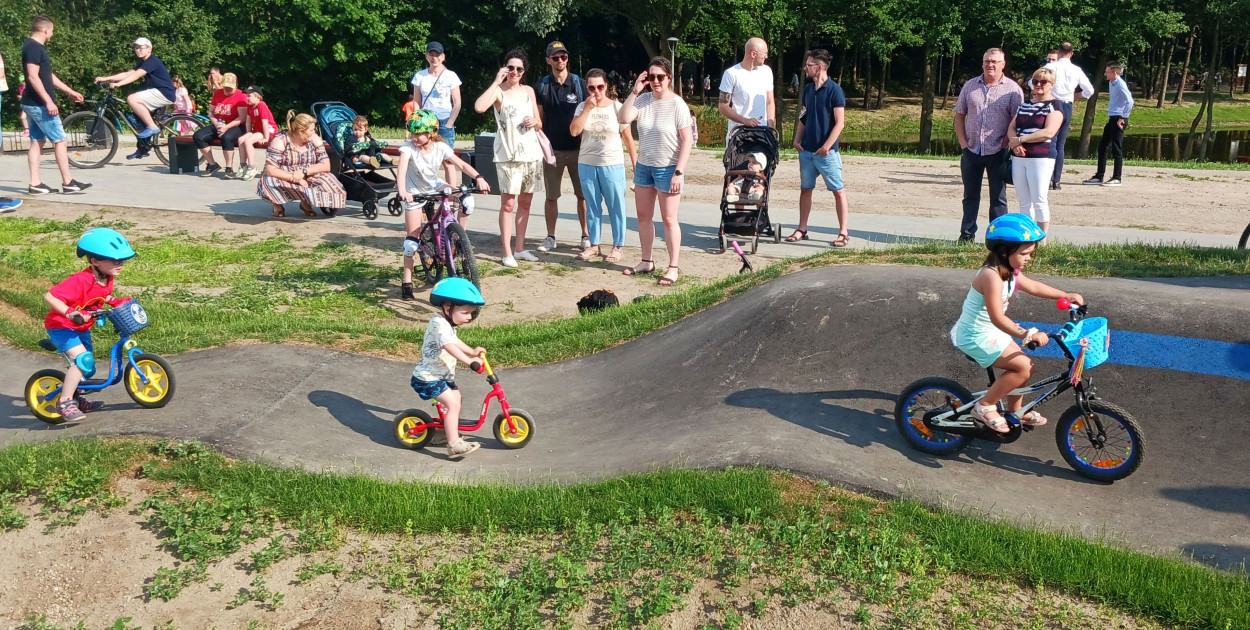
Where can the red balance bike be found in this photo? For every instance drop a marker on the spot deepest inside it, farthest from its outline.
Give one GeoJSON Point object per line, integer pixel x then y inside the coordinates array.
{"type": "Point", "coordinates": [414, 428]}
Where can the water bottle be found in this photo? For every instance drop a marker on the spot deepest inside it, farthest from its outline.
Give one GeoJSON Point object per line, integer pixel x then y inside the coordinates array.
{"type": "Point", "coordinates": [133, 120]}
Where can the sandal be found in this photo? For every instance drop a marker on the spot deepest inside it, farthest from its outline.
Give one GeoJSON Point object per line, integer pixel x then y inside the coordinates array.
{"type": "Point", "coordinates": [307, 208]}
{"type": "Point", "coordinates": [460, 448]}
{"type": "Point", "coordinates": [842, 240]}
{"type": "Point", "coordinates": [799, 235]}
{"type": "Point", "coordinates": [666, 280]}
{"type": "Point", "coordinates": [278, 211]}
{"type": "Point", "coordinates": [995, 422]}
{"type": "Point", "coordinates": [614, 256]}
{"type": "Point", "coordinates": [1033, 419]}
{"type": "Point", "coordinates": [635, 271]}
{"type": "Point", "coordinates": [586, 254]}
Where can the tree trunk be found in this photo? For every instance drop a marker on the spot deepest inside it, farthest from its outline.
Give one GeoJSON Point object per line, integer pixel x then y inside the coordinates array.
{"type": "Point", "coordinates": [950, 81]}
{"type": "Point", "coordinates": [855, 67]}
{"type": "Point", "coordinates": [1091, 107]}
{"type": "Point", "coordinates": [1208, 95]}
{"type": "Point", "coordinates": [885, 72]}
{"type": "Point", "coordinates": [1167, 70]}
{"type": "Point", "coordinates": [867, 79]}
{"type": "Point", "coordinates": [1206, 101]}
{"type": "Point", "coordinates": [926, 102]}
{"type": "Point", "coordinates": [841, 64]}
{"type": "Point", "coordinates": [1232, 74]}
{"type": "Point", "coordinates": [1189, 50]}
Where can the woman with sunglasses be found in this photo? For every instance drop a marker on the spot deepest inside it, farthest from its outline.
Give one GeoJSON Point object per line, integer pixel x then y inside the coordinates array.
{"type": "Point", "coordinates": [1036, 124]}
{"type": "Point", "coordinates": [518, 156]}
{"type": "Point", "coordinates": [601, 162]}
{"type": "Point", "coordinates": [664, 143]}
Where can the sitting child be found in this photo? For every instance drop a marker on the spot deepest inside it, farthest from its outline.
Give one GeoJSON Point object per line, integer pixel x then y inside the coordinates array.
{"type": "Point", "coordinates": [261, 128]}
{"type": "Point", "coordinates": [753, 182]}
{"type": "Point", "coordinates": [359, 147]}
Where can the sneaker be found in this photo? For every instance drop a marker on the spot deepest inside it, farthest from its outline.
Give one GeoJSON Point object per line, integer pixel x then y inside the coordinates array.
{"type": "Point", "coordinates": [1093, 181]}
{"type": "Point", "coordinates": [230, 174]}
{"type": "Point", "coordinates": [209, 169]}
{"type": "Point", "coordinates": [69, 411]}
{"type": "Point", "coordinates": [585, 243]}
{"type": "Point", "coordinates": [460, 448]}
{"type": "Point", "coordinates": [508, 261]}
{"type": "Point", "coordinates": [9, 204]}
{"type": "Point", "coordinates": [148, 133]}
{"type": "Point", "coordinates": [526, 255]}
{"type": "Point", "coordinates": [88, 406]}
{"type": "Point", "coordinates": [138, 155]}
{"type": "Point", "coordinates": [1055, 186]}
{"type": "Point", "coordinates": [405, 291]}
{"type": "Point", "coordinates": [1111, 182]}
{"type": "Point", "coordinates": [74, 186]}
{"type": "Point", "coordinates": [245, 173]}
{"type": "Point", "coordinates": [41, 189]}
{"type": "Point", "coordinates": [549, 244]}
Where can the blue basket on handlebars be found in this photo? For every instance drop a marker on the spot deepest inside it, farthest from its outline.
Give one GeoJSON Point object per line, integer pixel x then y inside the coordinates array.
{"type": "Point", "coordinates": [128, 317]}
{"type": "Point", "coordinates": [1095, 330]}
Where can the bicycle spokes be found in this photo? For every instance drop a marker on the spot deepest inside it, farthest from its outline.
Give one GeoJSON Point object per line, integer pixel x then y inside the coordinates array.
{"type": "Point", "coordinates": [1100, 441]}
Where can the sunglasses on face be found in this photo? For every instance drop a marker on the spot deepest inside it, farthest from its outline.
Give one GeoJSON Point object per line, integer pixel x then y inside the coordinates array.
{"type": "Point", "coordinates": [561, 58]}
{"type": "Point", "coordinates": [516, 69]}
{"type": "Point", "coordinates": [656, 77]}
{"type": "Point", "coordinates": [1040, 82]}
{"type": "Point", "coordinates": [597, 88]}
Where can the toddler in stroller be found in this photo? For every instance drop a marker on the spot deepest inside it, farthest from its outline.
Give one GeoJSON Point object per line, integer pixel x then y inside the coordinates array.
{"type": "Point", "coordinates": [359, 147]}
{"type": "Point", "coordinates": [363, 181]}
{"type": "Point", "coordinates": [752, 182]}
{"type": "Point", "coordinates": [751, 155]}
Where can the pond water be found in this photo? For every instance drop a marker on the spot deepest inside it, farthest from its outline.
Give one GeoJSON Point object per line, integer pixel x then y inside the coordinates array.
{"type": "Point", "coordinates": [1229, 145]}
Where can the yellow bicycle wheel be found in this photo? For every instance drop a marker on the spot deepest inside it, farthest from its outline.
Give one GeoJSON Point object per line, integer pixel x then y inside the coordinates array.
{"type": "Point", "coordinates": [38, 395]}
{"type": "Point", "coordinates": [159, 386]}
{"type": "Point", "coordinates": [405, 421]}
{"type": "Point", "coordinates": [524, 429]}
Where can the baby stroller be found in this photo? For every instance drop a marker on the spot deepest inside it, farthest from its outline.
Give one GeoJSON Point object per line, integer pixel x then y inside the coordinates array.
{"type": "Point", "coordinates": [365, 184]}
{"type": "Point", "coordinates": [748, 217]}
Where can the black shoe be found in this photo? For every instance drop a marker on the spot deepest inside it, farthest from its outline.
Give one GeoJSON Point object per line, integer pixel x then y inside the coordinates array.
{"type": "Point", "coordinates": [74, 186]}
{"type": "Point", "coordinates": [209, 169]}
{"type": "Point", "coordinates": [1055, 186]}
{"type": "Point", "coordinates": [41, 189]}
{"type": "Point", "coordinates": [967, 238]}
{"type": "Point", "coordinates": [138, 155]}
{"type": "Point", "coordinates": [405, 291]}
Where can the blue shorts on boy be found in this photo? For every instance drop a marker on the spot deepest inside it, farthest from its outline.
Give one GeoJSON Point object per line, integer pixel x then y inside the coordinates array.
{"type": "Point", "coordinates": [436, 373]}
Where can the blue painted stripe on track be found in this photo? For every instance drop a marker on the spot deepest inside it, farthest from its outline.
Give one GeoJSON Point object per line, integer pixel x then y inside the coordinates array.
{"type": "Point", "coordinates": [1181, 354]}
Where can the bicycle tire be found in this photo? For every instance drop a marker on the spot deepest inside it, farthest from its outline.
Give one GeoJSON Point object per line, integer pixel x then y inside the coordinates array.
{"type": "Point", "coordinates": [1104, 469]}
{"type": "Point", "coordinates": [427, 253]}
{"type": "Point", "coordinates": [935, 443]}
{"type": "Point", "coordinates": [170, 126]}
{"type": "Point", "coordinates": [91, 139]}
{"type": "Point", "coordinates": [462, 253]}
{"type": "Point", "coordinates": [1245, 238]}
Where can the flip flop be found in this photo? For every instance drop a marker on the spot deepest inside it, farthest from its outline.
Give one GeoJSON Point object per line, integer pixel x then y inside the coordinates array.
{"type": "Point", "coordinates": [799, 235]}
{"type": "Point", "coordinates": [634, 271]}
{"type": "Point", "coordinates": [842, 240]}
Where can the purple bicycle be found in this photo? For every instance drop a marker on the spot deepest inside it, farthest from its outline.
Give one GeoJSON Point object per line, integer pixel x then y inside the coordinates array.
{"type": "Point", "coordinates": [442, 244]}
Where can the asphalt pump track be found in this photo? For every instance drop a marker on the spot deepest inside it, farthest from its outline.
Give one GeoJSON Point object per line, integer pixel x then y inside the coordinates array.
{"type": "Point", "coordinates": [800, 374]}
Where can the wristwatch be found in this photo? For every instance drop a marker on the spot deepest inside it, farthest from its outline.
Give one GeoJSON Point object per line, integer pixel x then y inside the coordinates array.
{"type": "Point", "coordinates": [677, 171]}
{"type": "Point", "coordinates": [305, 171]}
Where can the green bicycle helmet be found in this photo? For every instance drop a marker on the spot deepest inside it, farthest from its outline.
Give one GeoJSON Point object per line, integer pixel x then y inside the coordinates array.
{"type": "Point", "coordinates": [1013, 228]}
{"type": "Point", "coordinates": [456, 291]}
{"type": "Point", "coordinates": [423, 121]}
{"type": "Point", "coordinates": [105, 243]}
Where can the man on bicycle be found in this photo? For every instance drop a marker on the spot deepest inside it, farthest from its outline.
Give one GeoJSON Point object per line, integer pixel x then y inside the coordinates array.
{"type": "Point", "coordinates": [159, 89]}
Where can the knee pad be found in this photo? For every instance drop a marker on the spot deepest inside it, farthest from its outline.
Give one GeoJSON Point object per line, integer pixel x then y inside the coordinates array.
{"type": "Point", "coordinates": [86, 362]}
{"type": "Point", "coordinates": [411, 246]}
{"type": "Point", "coordinates": [466, 204]}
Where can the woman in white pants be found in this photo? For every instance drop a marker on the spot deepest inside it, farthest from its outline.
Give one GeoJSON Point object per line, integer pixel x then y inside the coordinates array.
{"type": "Point", "coordinates": [1037, 123]}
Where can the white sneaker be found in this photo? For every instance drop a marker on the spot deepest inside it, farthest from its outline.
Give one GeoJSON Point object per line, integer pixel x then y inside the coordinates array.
{"type": "Point", "coordinates": [508, 261]}
{"type": "Point", "coordinates": [526, 255]}
{"type": "Point", "coordinates": [549, 244]}
{"type": "Point", "coordinates": [585, 243]}
{"type": "Point", "coordinates": [1111, 182]}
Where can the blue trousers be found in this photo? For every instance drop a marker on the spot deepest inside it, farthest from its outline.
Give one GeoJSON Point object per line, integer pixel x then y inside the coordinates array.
{"type": "Point", "coordinates": [604, 185]}
{"type": "Point", "coordinates": [1061, 139]}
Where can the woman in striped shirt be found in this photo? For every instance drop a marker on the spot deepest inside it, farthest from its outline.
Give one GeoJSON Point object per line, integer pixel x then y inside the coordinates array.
{"type": "Point", "coordinates": [1036, 124]}
{"type": "Point", "coordinates": [664, 143]}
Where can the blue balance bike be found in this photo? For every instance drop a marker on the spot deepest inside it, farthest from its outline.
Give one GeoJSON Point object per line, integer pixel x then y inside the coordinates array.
{"type": "Point", "coordinates": [148, 378]}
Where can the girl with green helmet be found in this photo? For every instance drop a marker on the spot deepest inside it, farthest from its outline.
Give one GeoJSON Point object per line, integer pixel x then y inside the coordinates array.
{"type": "Point", "coordinates": [69, 327]}
{"type": "Point", "coordinates": [457, 301]}
{"type": "Point", "coordinates": [984, 332]}
{"type": "Point", "coordinates": [423, 161]}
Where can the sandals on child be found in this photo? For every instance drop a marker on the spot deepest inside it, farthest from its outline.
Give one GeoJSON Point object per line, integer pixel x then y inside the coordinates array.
{"type": "Point", "coordinates": [995, 422]}
{"type": "Point", "coordinates": [1033, 419]}
{"type": "Point", "coordinates": [460, 448]}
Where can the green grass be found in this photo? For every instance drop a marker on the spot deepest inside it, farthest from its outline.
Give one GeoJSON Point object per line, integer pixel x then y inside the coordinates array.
{"type": "Point", "coordinates": [204, 292]}
{"type": "Point", "coordinates": [630, 548]}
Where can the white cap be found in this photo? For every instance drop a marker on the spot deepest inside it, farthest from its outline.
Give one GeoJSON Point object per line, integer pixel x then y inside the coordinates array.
{"type": "Point", "coordinates": [759, 157]}
{"type": "Point", "coordinates": [143, 41]}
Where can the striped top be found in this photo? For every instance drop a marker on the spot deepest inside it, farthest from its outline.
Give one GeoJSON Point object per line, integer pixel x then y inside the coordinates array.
{"type": "Point", "coordinates": [1031, 117]}
{"type": "Point", "coordinates": [658, 124]}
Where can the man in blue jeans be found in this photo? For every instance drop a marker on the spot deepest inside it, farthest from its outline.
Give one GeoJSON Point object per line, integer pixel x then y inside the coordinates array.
{"type": "Point", "coordinates": [984, 114]}
{"type": "Point", "coordinates": [39, 103]}
{"type": "Point", "coordinates": [816, 137]}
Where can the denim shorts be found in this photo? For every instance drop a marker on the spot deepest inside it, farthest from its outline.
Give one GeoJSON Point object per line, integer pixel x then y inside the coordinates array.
{"type": "Point", "coordinates": [448, 133]}
{"type": "Point", "coordinates": [657, 177]}
{"type": "Point", "coordinates": [828, 166]}
{"type": "Point", "coordinates": [65, 339]}
{"type": "Point", "coordinates": [429, 390]}
{"type": "Point", "coordinates": [42, 125]}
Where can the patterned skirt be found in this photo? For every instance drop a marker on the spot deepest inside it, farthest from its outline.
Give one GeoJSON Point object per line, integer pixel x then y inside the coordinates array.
{"type": "Point", "coordinates": [320, 190]}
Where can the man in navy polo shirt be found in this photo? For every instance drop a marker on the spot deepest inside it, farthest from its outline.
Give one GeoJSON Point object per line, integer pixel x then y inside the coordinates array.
{"type": "Point", "coordinates": [816, 138]}
{"type": "Point", "coordinates": [159, 87]}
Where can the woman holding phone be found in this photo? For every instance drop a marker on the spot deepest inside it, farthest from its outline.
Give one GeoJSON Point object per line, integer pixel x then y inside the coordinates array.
{"type": "Point", "coordinates": [664, 144]}
{"type": "Point", "coordinates": [601, 162]}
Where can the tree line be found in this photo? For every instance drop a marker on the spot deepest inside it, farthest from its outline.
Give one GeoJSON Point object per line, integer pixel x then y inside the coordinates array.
{"type": "Point", "coordinates": [364, 52]}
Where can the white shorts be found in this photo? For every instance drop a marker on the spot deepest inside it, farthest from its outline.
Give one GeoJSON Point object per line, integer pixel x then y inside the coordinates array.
{"type": "Point", "coordinates": [518, 178]}
{"type": "Point", "coordinates": [153, 99]}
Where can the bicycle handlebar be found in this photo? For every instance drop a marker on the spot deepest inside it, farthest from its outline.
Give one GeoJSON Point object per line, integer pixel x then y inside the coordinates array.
{"type": "Point", "coordinates": [438, 195]}
{"type": "Point", "coordinates": [1075, 314]}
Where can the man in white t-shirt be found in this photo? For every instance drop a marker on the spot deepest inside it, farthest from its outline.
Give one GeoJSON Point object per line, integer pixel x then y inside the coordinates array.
{"type": "Point", "coordinates": [746, 90]}
{"type": "Point", "coordinates": [1068, 78]}
{"type": "Point", "coordinates": [438, 89]}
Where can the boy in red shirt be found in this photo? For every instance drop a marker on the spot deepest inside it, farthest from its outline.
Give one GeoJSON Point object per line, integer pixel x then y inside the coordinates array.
{"type": "Point", "coordinates": [69, 327]}
{"type": "Point", "coordinates": [261, 127]}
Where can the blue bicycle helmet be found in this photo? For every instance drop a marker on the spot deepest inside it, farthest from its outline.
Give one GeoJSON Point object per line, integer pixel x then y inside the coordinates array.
{"type": "Point", "coordinates": [105, 243]}
{"type": "Point", "coordinates": [456, 291]}
{"type": "Point", "coordinates": [1013, 228]}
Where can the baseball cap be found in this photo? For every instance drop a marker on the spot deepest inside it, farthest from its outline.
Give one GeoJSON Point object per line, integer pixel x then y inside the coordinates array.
{"type": "Point", "coordinates": [142, 41]}
{"type": "Point", "coordinates": [254, 89]}
{"type": "Point", "coordinates": [434, 47]}
{"type": "Point", "coordinates": [229, 80]}
{"type": "Point", "coordinates": [556, 47]}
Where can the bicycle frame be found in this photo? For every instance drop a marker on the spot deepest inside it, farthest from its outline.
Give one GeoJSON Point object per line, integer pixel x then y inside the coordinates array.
{"type": "Point", "coordinates": [496, 392]}
{"type": "Point", "coordinates": [438, 223]}
{"type": "Point", "coordinates": [124, 345]}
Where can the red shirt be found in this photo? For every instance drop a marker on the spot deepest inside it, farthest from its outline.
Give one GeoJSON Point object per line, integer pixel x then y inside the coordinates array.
{"type": "Point", "coordinates": [259, 114]}
{"type": "Point", "coordinates": [227, 109]}
{"type": "Point", "coordinates": [80, 291]}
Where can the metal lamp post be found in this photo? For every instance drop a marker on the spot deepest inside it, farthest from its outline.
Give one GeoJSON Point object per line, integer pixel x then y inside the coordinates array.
{"type": "Point", "coordinates": [672, 53]}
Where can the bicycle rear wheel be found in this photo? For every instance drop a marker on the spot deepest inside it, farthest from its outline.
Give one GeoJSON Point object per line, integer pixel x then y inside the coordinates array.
{"type": "Point", "coordinates": [462, 253]}
{"type": "Point", "coordinates": [91, 139]}
{"type": "Point", "coordinates": [177, 125]}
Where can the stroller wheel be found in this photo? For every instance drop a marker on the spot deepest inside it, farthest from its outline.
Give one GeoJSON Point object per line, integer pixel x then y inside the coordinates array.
{"type": "Point", "coordinates": [755, 243]}
{"type": "Point", "coordinates": [394, 207]}
{"type": "Point", "coordinates": [370, 209]}
{"type": "Point", "coordinates": [329, 212]}
{"type": "Point", "coordinates": [723, 245]}
{"type": "Point", "coordinates": [776, 232]}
